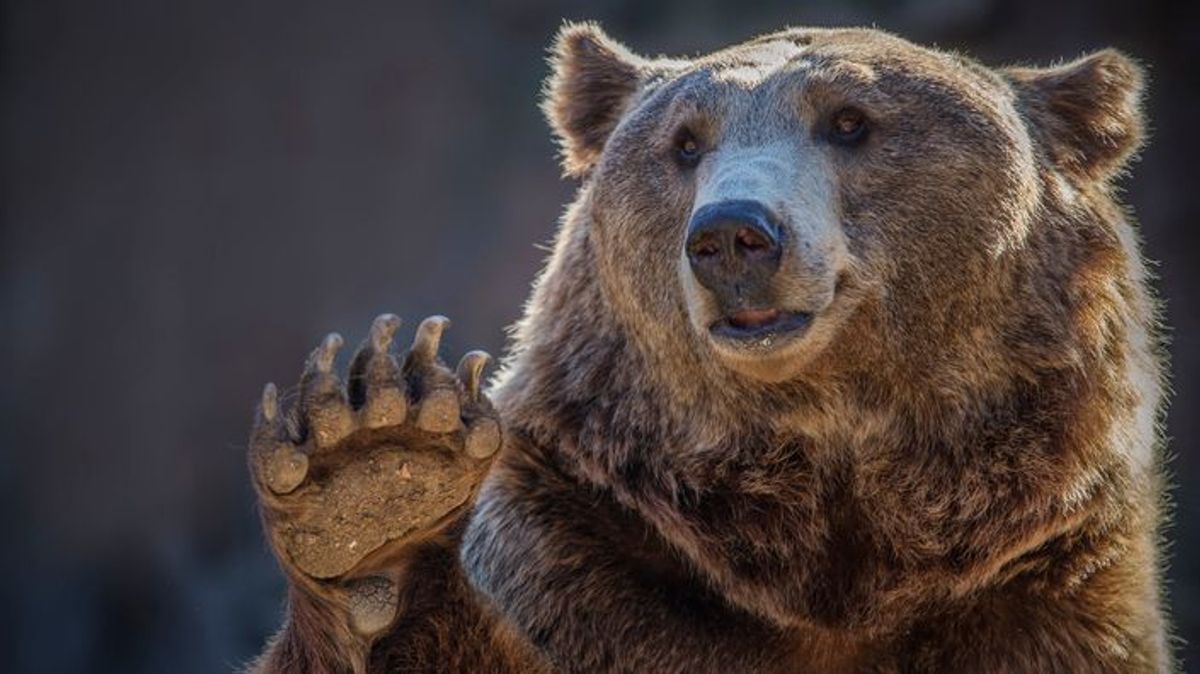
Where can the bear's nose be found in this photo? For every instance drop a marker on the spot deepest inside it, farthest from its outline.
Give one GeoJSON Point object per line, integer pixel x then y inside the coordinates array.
{"type": "Point", "coordinates": [734, 247]}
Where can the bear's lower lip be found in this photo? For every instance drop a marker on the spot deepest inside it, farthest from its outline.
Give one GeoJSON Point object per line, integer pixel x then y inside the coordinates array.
{"type": "Point", "coordinates": [761, 326]}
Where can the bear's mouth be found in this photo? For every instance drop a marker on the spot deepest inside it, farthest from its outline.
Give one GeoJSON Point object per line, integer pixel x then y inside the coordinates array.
{"type": "Point", "coordinates": [761, 327]}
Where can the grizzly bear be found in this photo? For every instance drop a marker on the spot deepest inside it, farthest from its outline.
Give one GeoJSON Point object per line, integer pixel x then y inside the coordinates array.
{"type": "Point", "coordinates": [845, 360]}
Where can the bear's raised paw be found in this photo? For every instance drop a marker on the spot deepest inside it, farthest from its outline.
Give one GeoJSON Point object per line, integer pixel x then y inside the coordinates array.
{"type": "Point", "coordinates": [353, 466]}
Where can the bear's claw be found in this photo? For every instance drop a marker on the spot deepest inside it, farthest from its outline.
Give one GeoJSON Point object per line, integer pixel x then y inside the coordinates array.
{"type": "Point", "coordinates": [376, 389]}
{"type": "Point", "coordinates": [355, 465]}
{"type": "Point", "coordinates": [324, 411]}
{"type": "Point", "coordinates": [469, 371]}
{"type": "Point", "coordinates": [429, 336]}
{"type": "Point", "coordinates": [435, 384]}
{"type": "Point", "coordinates": [282, 467]}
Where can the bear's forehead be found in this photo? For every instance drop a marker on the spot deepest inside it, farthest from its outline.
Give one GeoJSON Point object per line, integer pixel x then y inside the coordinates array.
{"type": "Point", "coordinates": [753, 62]}
{"type": "Point", "coordinates": [870, 67]}
{"type": "Point", "coordinates": [813, 51]}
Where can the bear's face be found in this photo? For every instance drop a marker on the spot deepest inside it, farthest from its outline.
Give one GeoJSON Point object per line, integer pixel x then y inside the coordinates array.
{"type": "Point", "coordinates": [758, 202]}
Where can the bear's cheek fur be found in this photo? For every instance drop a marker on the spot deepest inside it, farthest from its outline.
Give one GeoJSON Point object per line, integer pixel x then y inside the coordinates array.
{"type": "Point", "coordinates": [932, 219]}
{"type": "Point", "coordinates": [638, 220]}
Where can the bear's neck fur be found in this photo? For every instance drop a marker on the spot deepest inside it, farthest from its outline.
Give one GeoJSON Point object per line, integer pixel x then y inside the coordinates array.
{"type": "Point", "coordinates": [964, 461]}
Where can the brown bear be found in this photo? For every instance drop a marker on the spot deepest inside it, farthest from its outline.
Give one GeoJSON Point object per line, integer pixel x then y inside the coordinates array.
{"type": "Point", "coordinates": [844, 361]}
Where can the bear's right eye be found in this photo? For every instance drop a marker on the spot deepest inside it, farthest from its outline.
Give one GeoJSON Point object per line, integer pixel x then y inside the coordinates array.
{"type": "Point", "coordinates": [687, 149]}
{"type": "Point", "coordinates": [848, 126]}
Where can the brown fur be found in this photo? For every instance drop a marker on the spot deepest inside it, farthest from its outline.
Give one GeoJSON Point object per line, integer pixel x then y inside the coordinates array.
{"type": "Point", "coordinates": [964, 476]}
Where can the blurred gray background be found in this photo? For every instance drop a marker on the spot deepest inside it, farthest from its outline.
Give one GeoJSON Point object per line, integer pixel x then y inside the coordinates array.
{"type": "Point", "coordinates": [195, 191]}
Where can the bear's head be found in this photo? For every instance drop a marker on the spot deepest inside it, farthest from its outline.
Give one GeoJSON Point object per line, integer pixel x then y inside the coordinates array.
{"type": "Point", "coordinates": [814, 200]}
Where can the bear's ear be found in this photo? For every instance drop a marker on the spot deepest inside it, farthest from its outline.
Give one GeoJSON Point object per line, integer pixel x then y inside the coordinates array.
{"type": "Point", "coordinates": [1087, 112]}
{"type": "Point", "coordinates": [592, 79]}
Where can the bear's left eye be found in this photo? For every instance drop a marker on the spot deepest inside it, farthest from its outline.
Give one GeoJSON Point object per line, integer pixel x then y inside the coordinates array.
{"type": "Point", "coordinates": [687, 149]}
{"type": "Point", "coordinates": [848, 126]}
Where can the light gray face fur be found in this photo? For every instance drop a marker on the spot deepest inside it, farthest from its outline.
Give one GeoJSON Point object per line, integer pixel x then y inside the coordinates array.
{"type": "Point", "coordinates": [767, 153]}
{"type": "Point", "coordinates": [791, 178]}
